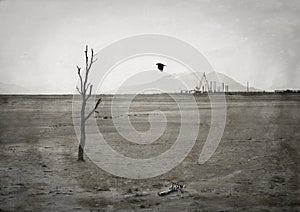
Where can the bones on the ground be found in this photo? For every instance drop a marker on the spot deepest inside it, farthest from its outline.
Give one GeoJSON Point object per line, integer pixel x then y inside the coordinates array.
{"type": "Point", "coordinates": [174, 187]}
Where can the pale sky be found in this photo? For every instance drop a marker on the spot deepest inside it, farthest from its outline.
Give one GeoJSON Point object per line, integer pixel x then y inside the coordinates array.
{"type": "Point", "coordinates": [42, 41]}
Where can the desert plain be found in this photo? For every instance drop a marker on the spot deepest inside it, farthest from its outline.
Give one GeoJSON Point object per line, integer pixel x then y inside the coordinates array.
{"type": "Point", "coordinates": [256, 166]}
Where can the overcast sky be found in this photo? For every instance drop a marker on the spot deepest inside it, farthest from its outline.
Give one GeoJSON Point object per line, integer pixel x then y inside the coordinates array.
{"type": "Point", "coordinates": [41, 41]}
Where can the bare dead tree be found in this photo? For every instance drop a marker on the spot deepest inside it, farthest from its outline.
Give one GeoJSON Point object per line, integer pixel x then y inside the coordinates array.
{"type": "Point", "coordinates": [85, 91]}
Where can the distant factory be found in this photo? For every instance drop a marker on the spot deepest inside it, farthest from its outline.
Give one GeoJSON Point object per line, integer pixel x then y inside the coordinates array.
{"type": "Point", "coordinates": [209, 87]}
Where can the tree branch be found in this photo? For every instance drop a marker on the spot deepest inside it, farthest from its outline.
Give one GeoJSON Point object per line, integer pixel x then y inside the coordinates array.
{"type": "Point", "coordinates": [86, 57]}
{"type": "Point", "coordinates": [88, 64]}
{"type": "Point", "coordinates": [97, 104]}
{"type": "Point", "coordinates": [78, 90]}
{"type": "Point", "coordinates": [86, 68]}
{"type": "Point", "coordinates": [95, 60]}
{"type": "Point", "coordinates": [92, 59]}
{"type": "Point", "coordinates": [78, 68]}
{"type": "Point", "coordinates": [87, 87]}
{"type": "Point", "coordinates": [90, 93]}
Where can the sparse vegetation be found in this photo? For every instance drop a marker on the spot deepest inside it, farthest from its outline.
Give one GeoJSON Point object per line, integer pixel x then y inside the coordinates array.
{"type": "Point", "coordinates": [85, 91]}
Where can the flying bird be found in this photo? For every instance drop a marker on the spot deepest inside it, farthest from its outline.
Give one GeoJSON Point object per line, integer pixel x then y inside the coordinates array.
{"type": "Point", "coordinates": [160, 66]}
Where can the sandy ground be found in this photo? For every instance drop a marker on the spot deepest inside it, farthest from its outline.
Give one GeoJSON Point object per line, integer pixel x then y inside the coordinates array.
{"type": "Point", "coordinates": [255, 168]}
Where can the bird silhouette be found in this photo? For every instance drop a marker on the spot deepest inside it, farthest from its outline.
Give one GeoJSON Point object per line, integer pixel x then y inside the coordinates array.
{"type": "Point", "coordinates": [160, 66]}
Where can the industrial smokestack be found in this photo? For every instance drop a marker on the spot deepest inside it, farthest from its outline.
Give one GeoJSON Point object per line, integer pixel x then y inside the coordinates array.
{"type": "Point", "coordinates": [223, 86]}
{"type": "Point", "coordinates": [247, 86]}
{"type": "Point", "coordinates": [226, 88]}
{"type": "Point", "coordinates": [215, 86]}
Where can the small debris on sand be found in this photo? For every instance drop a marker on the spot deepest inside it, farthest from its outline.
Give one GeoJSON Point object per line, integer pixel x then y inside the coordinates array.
{"type": "Point", "coordinates": [101, 189]}
{"type": "Point", "coordinates": [174, 187]}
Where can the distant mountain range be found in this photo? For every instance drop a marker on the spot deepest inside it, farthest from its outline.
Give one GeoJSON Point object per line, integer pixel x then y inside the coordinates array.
{"type": "Point", "coordinates": [151, 82]}
{"type": "Point", "coordinates": [175, 83]}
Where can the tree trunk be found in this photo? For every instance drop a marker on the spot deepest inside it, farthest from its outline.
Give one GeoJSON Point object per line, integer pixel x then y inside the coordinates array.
{"type": "Point", "coordinates": [80, 153]}
{"type": "Point", "coordinates": [82, 142]}
{"type": "Point", "coordinates": [82, 131]}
